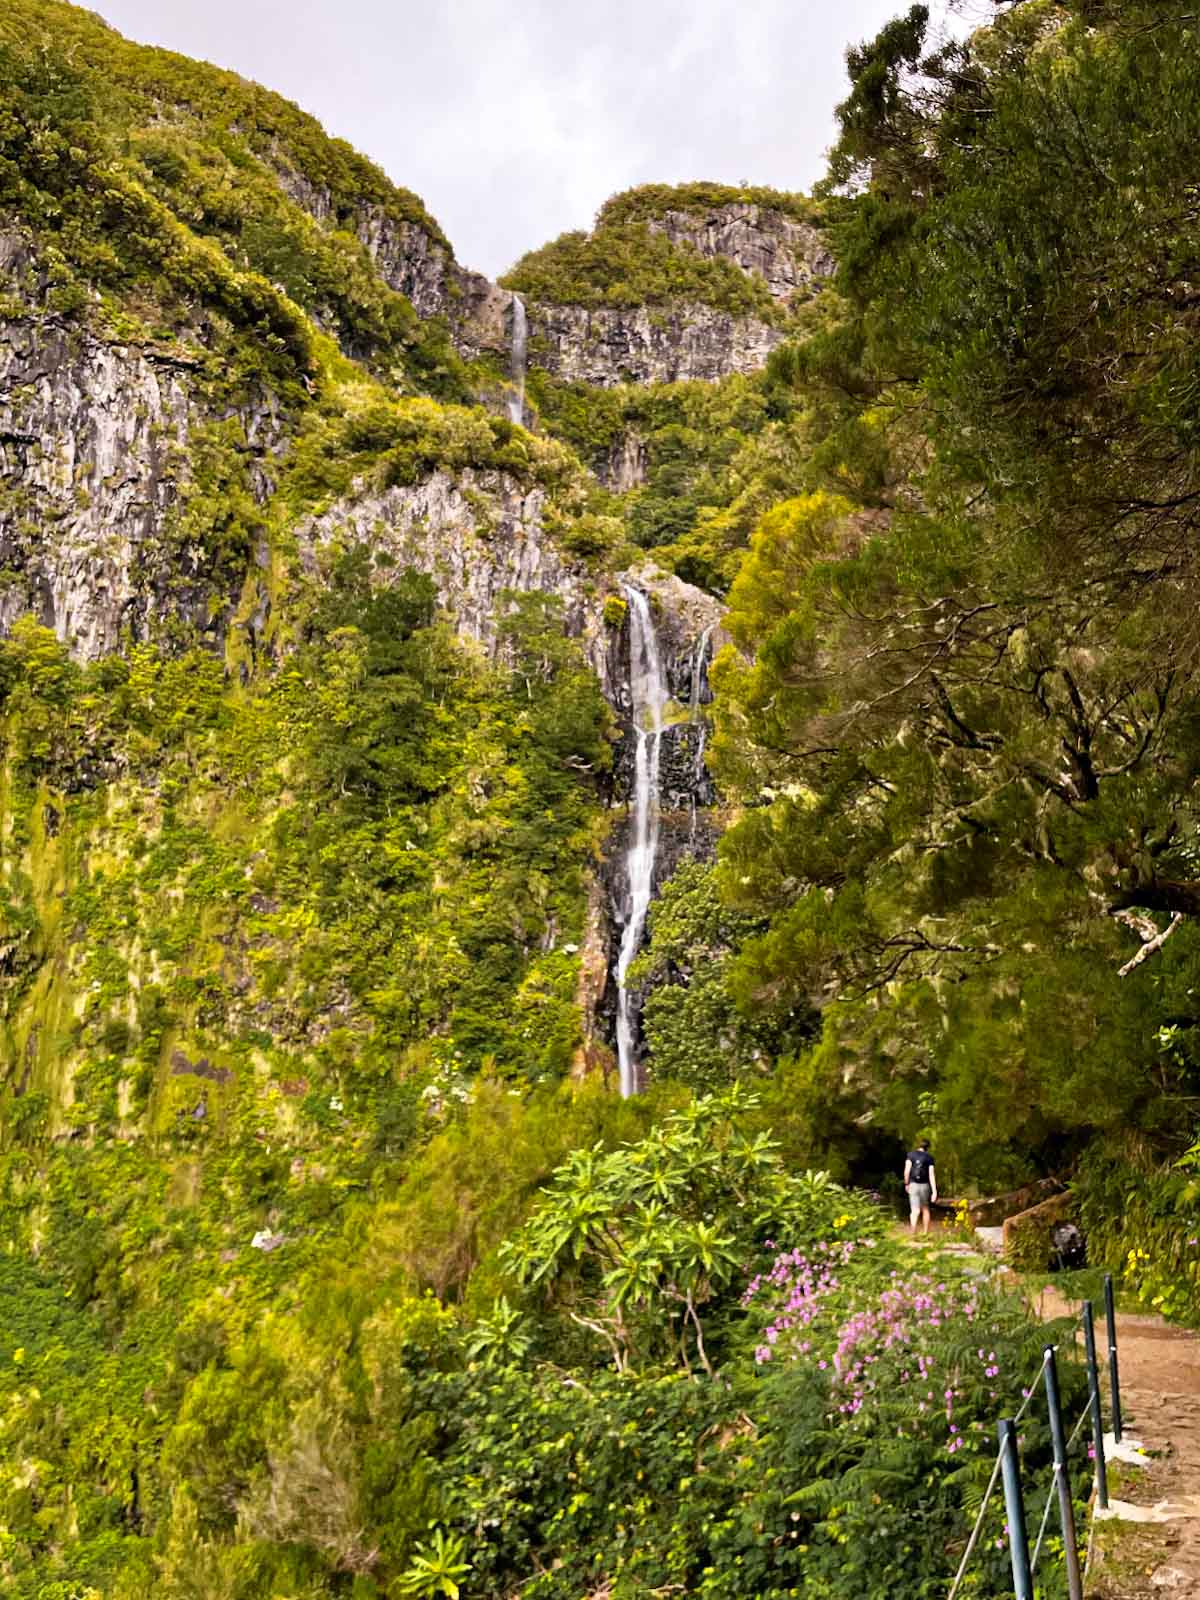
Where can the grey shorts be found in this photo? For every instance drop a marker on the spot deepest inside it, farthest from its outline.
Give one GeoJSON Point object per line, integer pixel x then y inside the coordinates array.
{"type": "Point", "coordinates": [919, 1194]}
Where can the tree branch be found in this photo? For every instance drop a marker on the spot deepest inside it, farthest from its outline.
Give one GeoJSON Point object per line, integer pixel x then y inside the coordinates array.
{"type": "Point", "coordinates": [1151, 945]}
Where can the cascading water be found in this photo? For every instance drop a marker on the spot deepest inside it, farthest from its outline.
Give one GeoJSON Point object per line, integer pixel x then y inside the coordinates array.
{"type": "Point", "coordinates": [697, 718]}
{"type": "Point", "coordinates": [649, 694]}
{"type": "Point", "coordinates": [516, 360]}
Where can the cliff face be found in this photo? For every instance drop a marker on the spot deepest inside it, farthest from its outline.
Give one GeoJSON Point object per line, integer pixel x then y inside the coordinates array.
{"type": "Point", "coordinates": [477, 535]}
{"type": "Point", "coordinates": [99, 441]}
{"type": "Point", "coordinates": [215, 489]}
{"type": "Point", "coordinates": [643, 345]}
{"type": "Point", "coordinates": [675, 292]}
{"type": "Point", "coordinates": [605, 345]}
{"type": "Point", "coordinates": [791, 257]}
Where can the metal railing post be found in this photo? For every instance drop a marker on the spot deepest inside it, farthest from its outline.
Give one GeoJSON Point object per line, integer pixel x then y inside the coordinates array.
{"type": "Point", "coordinates": [1014, 1506]}
{"type": "Point", "coordinates": [1089, 1342]}
{"type": "Point", "coordinates": [1066, 1510]}
{"type": "Point", "coordinates": [1114, 1382]}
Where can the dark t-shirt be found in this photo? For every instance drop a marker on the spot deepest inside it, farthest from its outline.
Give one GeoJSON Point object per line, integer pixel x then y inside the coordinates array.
{"type": "Point", "coordinates": [921, 1165]}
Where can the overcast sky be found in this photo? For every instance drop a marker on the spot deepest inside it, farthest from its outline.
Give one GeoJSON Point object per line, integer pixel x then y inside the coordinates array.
{"type": "Point", "coordinates": [515, 122]}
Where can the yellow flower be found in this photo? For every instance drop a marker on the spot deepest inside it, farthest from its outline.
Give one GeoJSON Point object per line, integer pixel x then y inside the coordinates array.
{"type": "Point", "coordinates": [19, 1355]}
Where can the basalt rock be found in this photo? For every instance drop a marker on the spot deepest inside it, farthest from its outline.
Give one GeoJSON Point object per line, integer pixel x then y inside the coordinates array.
{"type": "Point", "coordinates": [790, 256]}
{"type": "Point", "coordinates": [95, 439]}
{"type": "Point", "coordinates": [641, 344]}
{"type": "Point", "coordinates": [476, 535]}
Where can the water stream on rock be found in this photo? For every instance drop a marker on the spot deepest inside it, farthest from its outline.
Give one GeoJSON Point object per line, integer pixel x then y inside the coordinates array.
{"type": "Point", "coordinates": [516, 360]}
{"type": "Point", "coordinates": [698, 719]}
{"type": "Point", "coordinates": [695, 714]}
{"type": "Point", "coordinates": [649, 695]}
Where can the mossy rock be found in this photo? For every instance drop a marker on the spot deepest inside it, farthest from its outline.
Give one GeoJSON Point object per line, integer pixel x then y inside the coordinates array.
{"type": "Point", "coordinates": [1027, 1237]}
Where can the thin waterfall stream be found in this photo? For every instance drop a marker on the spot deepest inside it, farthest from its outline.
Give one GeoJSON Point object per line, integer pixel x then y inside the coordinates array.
{"type": "Point", "coordinates": [516, 360]}
{"type": "Point", "coordinates": [649, 694]}
{"type": "Point", "coordinates": [697, 717]}
{"type": "Point", "coordinates": [695, 714]}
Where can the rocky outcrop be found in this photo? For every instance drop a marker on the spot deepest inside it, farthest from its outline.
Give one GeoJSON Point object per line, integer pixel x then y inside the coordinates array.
{"type": "Point", "coordinates": [643, 345]}
{"type": "Point", "coordinates": [624, 467]}
{"type": "Point", "coordinates": [94, 439]}
{"type": "Point", "coordinates": [408, 259]}
{"type": "Point", "coordinates": [607, 345]}
{"type": "Point", "coordinates": [475, 535]}
{"type": "Point", "coordinates": [790, 256]}
{"type": "Point", "coordinates": [688, 631]}
{"type": "Point", "coordinates": [687, 623]}
{"type": "Point", "coordinates": [411, 261]}
{"type": "Point", "coordinates": [666, 344]}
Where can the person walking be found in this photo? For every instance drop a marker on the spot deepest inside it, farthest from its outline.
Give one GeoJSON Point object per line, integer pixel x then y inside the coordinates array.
{"type": "Point", "coordinates": [921, 1182]}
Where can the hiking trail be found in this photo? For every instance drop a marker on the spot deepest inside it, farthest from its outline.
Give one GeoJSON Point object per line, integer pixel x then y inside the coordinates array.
{"type": "Point", "coordinates": [1160, 1404]}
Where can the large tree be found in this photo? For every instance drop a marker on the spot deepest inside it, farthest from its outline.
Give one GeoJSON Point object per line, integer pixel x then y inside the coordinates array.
{"type": "Point", "coordinates": [970, 726]}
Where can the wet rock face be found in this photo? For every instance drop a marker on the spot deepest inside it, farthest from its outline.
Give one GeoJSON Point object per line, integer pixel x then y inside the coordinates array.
{"type": "Point", "coordinates": [688, 632]}
{"type": "Point", "coordinates": [610, 345]}
{"type": "Point", "coordinates": [625, 465]}
{"type": "Point", "coordinates": [409, 260]}
{"type": "Point", "coordinates": [668, 344]}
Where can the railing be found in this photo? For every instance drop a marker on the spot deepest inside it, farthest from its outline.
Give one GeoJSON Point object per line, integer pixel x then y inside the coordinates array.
{"type": "Point", "coordinates": [1008, 1466]}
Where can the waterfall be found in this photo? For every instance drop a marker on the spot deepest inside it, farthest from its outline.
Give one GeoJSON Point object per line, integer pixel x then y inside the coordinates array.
{"type": "Point", "coordinates": [516, 360]}
{"type": "Point", "coordinates": [697, 718]}
{"type": "Point", "coordinates": [648, 692]}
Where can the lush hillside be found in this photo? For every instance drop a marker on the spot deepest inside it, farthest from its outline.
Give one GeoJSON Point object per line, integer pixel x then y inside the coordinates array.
{"type": "Point", "coordinates": [333, 1265]}
{"type": "Point", "coordinates": [160, 185]}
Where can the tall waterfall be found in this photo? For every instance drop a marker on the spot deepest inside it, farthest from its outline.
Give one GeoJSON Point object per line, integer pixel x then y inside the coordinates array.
{"type": "Point", "coordinates": [649, 694]}
{"type": "Point", "coordinates": [516, 360]}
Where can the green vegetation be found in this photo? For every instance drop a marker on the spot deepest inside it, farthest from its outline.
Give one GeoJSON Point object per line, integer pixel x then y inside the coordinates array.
{"type": "Point", "coordinates": [168, 186]}
{"type": "Point", "coordinates": [190, 1414]}
{"type": "Point", "coordinates": [654, 200]}
{"type": "Point", "coordinates": [692, 1001]}
{"type": "Point", "coordinates": [964, 718]}
{"type": "Point", "coordinates": [628, 264]}
{"type": "Point", "coordinates": [325, 1272]}
{"type": "Point", "coordinates": [714, 458]}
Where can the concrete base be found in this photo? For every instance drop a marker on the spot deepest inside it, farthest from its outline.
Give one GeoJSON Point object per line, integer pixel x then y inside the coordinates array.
{"type": "Point", "coordinates": [1186, 1509]}
{"type": "Point", "coordinates": [1131, 1451]}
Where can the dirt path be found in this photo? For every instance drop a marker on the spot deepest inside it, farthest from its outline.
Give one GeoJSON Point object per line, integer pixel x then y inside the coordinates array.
{"type": "Point", "coordinates": [1160, 1401]}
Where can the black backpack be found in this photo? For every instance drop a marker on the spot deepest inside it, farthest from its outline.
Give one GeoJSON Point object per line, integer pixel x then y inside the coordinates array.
{"type": "Point", "coordinates": [921, 1163]}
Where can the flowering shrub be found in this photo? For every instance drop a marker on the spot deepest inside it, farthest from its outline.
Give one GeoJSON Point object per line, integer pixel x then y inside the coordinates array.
{"type": "Point", "coordinates": [891, 1382]}
{"type": "Point", "coordinates": [932, 1339]}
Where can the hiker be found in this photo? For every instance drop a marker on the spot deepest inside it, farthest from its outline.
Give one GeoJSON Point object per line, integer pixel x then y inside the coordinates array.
{"type": "Point", "coordinates": [921, 1182]}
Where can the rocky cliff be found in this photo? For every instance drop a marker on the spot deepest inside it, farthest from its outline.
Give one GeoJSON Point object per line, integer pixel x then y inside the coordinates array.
{"type": "Point", "coordinates": [602, 347]}
{"type": "Point", "coordinates": [103, 446]}
{"type": "Point", "coordinates": [790, 256]}
{"type": "Point", "coordinates": [231, 433]}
